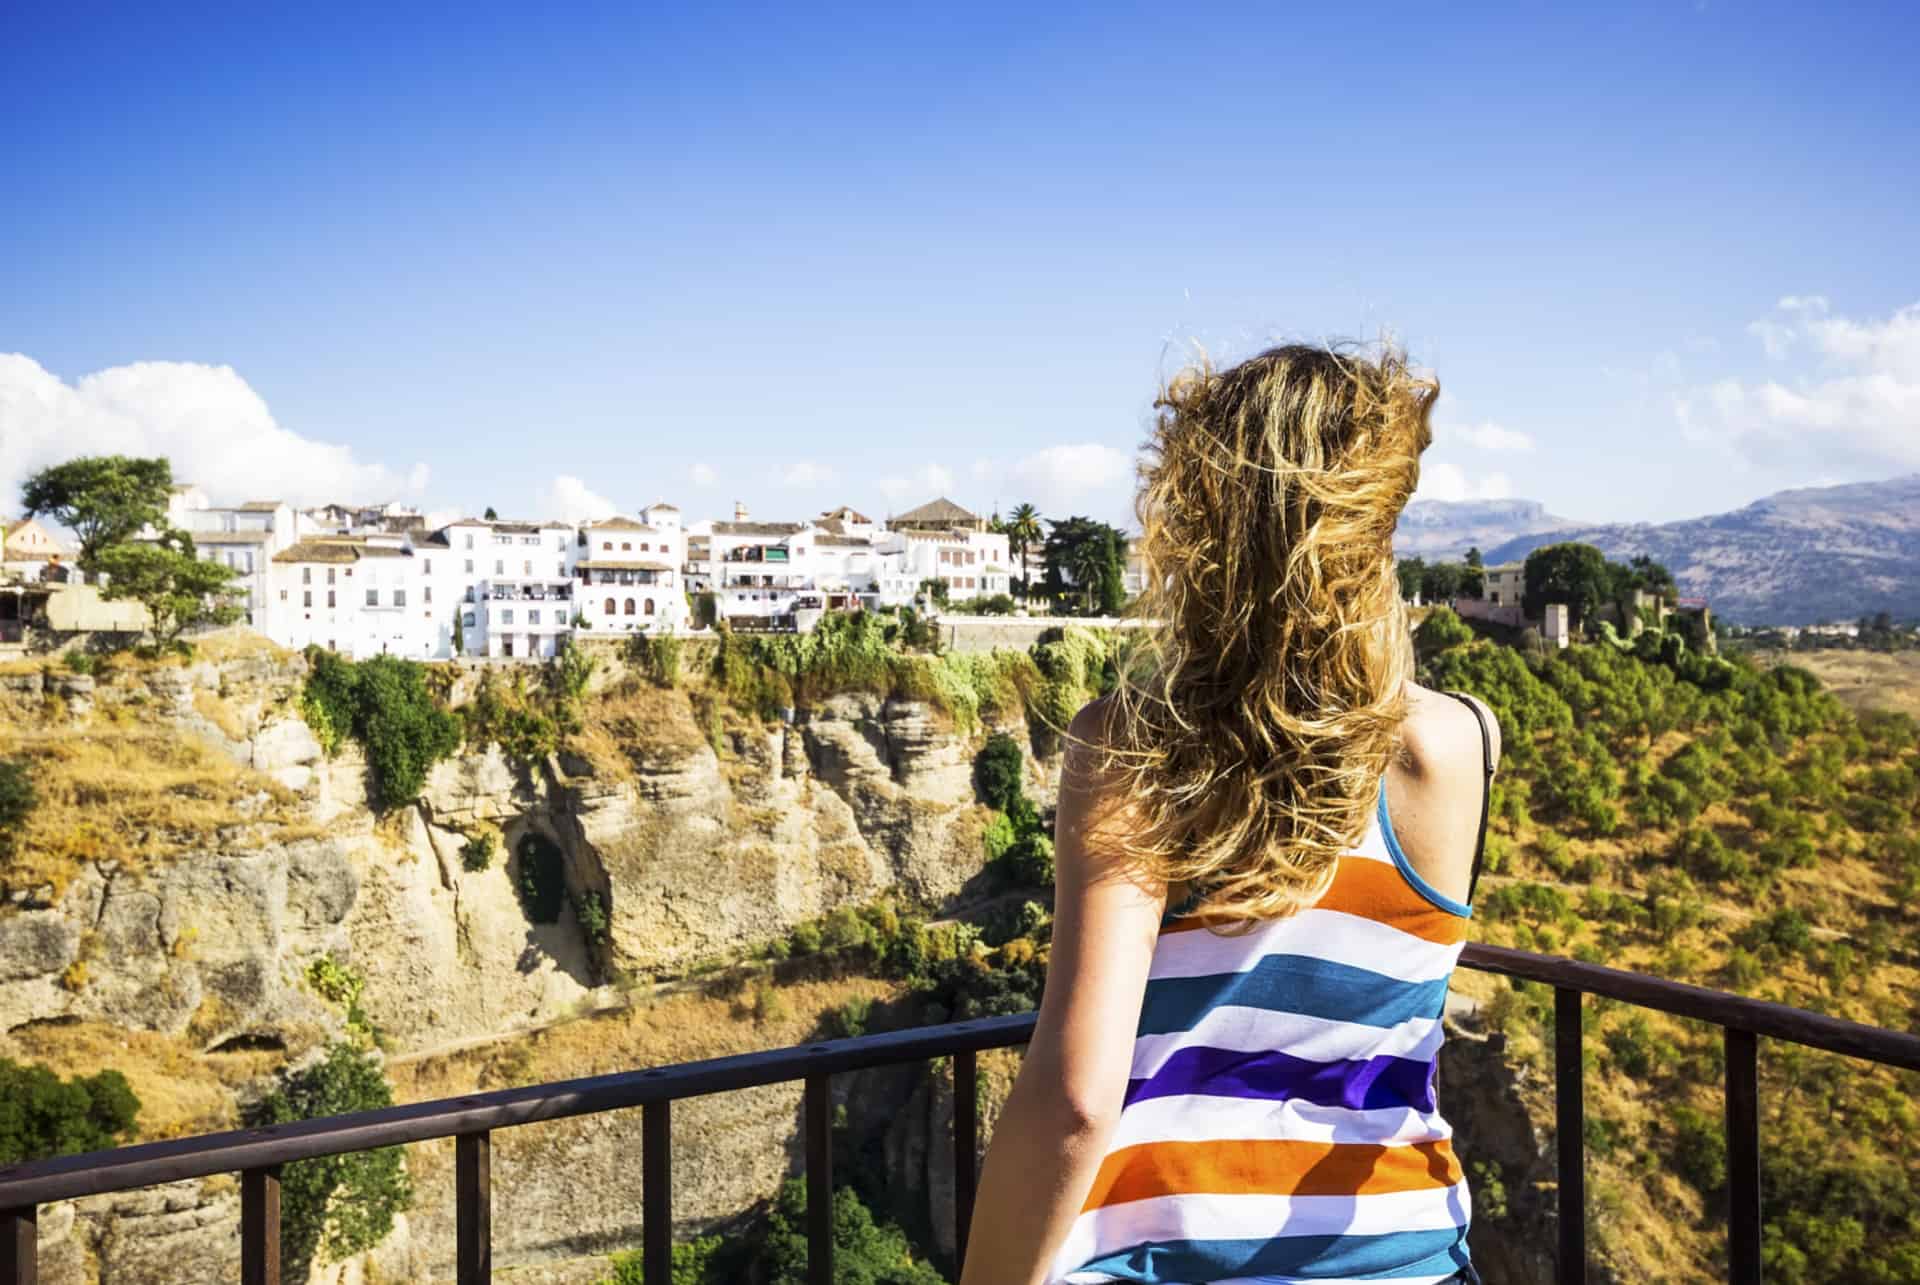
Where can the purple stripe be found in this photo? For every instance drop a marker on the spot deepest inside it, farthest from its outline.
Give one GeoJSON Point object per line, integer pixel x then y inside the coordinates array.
{"type": "Point", "coordinates": [1370, 1085]}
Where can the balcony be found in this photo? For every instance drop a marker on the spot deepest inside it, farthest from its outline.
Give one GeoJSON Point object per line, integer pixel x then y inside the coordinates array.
{"type": "Point", "coordinates": [257, 1154]}
{"type": "Point", "coordinates": [559, 591]}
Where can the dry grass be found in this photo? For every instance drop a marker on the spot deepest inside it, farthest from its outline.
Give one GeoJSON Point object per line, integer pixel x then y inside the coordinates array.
{"type": "Point", "coordinates": [683, 1028]}
{"type": "Point", "coordinates": [130, 793]}
{"type": "Point", "coordinates": [636, 725]}
{"type": "Point", "coordinates": [1862, 679]}
{"type": "Point", "coordinates": [220, 714]}
{"type": "Point", "coordinates": [181, 1090]}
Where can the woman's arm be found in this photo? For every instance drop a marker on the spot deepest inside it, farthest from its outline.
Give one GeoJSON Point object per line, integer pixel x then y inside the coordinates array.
{"type": "Point", "coordinates": [1052, 1136]}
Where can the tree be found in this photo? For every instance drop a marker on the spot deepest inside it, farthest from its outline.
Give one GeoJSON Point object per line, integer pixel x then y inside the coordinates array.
{"type": "Point", "coordinates": [1575, 574]}
{"type": "Point", "coordinates": [383, 703]}
{"type": "Point", "coordinates": [1441, 581]}
{"type": "Point", "coordinates": [1023, 532]}
{"type": "Point", "coordinates": [102, 499]}
{"type": "Point", "coordinates": [42, 1115]}
{"type": "Point", "coordinates": [1473, 580]}
{"type": "Point", "coordinates": [1442, 629]}
{"type": "Point", "coordinates": [1413, 572]}
{"type": "Point", "coordinates": [490, 515]}
{"type": "Point", "coordinates": [340, 1204]}
{"type": "Point", "coordinates": [999, 771]}
{"type": "Point", "coordinates": [459, 632]}
{"type": "Point", "coordinates": [1090, 557]}
{"type": "Point", "coordinates": [178, 589]}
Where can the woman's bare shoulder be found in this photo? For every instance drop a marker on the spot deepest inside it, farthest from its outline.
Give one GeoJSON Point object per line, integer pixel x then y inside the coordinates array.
{"type": "Point", "coordinates": [1441, 734]}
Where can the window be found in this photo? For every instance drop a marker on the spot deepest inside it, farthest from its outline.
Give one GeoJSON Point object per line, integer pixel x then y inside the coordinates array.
{"type": "Point", "coordinates": [629, 610]}
{"type": "Point", "coordinates": [283, 595]}
{"type": "Point", "coordinates": [306, 575]}
{"type": "Point", "coordinates": [626, 546]}
{"type": "Point", "coordinates": [249, 557]}
{"type": "Point", "coordinates": [607, 545]}
{"type": "Point", "coordinates": [466, 621]}
{"type": "Point", "coordinates": [499, 567]}
{"type": "Point", "coordinates": [330, 575]}
{"type": "Point", "coordinates": [609, 606]}
{"type": "Point", "coordinates": [506, 617]}
{"type": "Point", "coordinates": [426, 593]}
{"type": "Point", "coordinates": [533, 617]}
{"type": "Point", "coordinates": [330, 601]}
{"type": "Point", "coordinates": [526, 568]}
{"type": "Point", "coordinates": [469, 566]}
{"type": "Point", "coordinates": [373, 597]}
{"type": "Point", "coordinates": [469, 545]}
{"type": "Point", "coordinates": [427, 565]}
{"type": "Point", "coordinates": [560, 542]}
{"type": "Point", "coordinates": [308, 595]}
{"type": "Point", "coordinates": [645, 547]}
{"type": "Point", "coordinates": [399, 597]}
{"type": "Point", "coordinates": [649, 605]}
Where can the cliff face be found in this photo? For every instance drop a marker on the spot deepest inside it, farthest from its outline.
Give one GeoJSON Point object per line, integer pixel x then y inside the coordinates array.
{"type": "Point", "coordinates": [697, 851]}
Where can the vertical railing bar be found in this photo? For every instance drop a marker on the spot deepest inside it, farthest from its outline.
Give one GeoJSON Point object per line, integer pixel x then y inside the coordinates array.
{"type": "Point", "coordinates": [1743, 1157]}
{"type": "Point", "coordinates": [260, 1226]}
{"type": "Point", "coordinates": [656, 1193]}
{"type": "Point", "coordinates": [966, 1144]}
{"type": "Point", "coordinates": [20, 1246]}
{"type": "Point", "coordinates": [819, 1130]}
{"type": "Point", "coordinates": [1570, 1127]}
{"type": "Point", "coordinates": [473, 1207]}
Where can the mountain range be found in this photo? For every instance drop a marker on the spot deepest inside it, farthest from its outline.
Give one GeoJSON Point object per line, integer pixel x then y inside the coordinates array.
{"type": "Point", "coordinates": [1793, 558]}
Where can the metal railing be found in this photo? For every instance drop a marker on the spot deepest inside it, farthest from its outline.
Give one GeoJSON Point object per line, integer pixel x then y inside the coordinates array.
{"type": "Point", "coordinates": [257, 1154]}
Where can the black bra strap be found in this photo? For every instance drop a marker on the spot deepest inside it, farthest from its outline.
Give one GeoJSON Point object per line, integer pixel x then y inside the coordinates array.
{"type": "Point", "coordinates": [1486, 786]}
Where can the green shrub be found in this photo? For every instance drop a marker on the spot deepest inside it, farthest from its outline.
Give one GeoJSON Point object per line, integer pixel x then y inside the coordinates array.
{"type": "Point", "coordinates": [1442, 629]}
{"type": "Point", "coordinates": [850, 1019]}
{"type": "Point", "coordinates": [42, 1115]}
{"type": "Point", "coordinates": [805, 939]}
{"type": "Point", "coordinates": [997, 837]}
{"type": "Point", "coordinates": [1699, 1149]}
{"type": "Point", "coordinates": [658, 657]}
{"type": "Point", "coordinates": [591, 910]}
{"type": "Point", "coordinates": [477, 852]}
{"type": "Point", "coordinates": [18, 799]}
{"type": "Point", "coordinates": [999, 771]}
{"type": "Point", "coordinates": [542, 882]}
{"type": "Point", "coordinates": [1029, 863]}
{"type": "Point", "coordinates": [865, 1252]}
{"type": "Point", "coordinates": [335, 1205]}
{"type": "Point", "coordinates": [383, 704]}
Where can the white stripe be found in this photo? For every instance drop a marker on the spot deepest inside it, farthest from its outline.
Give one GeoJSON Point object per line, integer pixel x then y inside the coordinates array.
{"type": "Point", "coordinates": [1332, 935]}
{"type": "Point", "coordinates": [1315, 1039]}
{"type": "Point", "coordinates": [1258, 1217]}
{"type": "Point", "coordinates": [1183, 1118]}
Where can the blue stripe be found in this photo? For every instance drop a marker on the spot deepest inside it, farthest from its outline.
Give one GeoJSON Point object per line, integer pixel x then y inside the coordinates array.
{"type": "Point", "coordinates": [1394, 1254]}
{"type": "Point", "coordinates": [1405, 866]}
{"type": "Point", "coordinates": [1371, 1084]}
{"type": "Point", "coordinates": [1292, 984]}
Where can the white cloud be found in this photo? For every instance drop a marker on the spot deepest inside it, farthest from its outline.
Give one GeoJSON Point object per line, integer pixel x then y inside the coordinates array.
{"type": "Point", "coordinates": [1857, 391]}
{"type": "Point", "coordinates": [571, 500]}
{"type": "Point", "coordinates": [703, 475]}
{"type": "Point", "coordinates": [925, 483]}
{"type": "Point", "coordinates": [1489, 436]}
{"type": "Point", "coordinates": [806, 473]}
{"type": "Point", "coordinates": [1440, 480]}
{"type": "Point", "coordinates": [984, 468]}
{"type": "Point", "coordinates": [216, 429]}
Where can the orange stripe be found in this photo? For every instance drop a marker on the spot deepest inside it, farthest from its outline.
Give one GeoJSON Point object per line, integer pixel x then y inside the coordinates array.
{"type": "Point", "coordinates": [1377, 890]}
{"type": "Point", "coordinates": [1373, 890]}
{"type": "Point", "coordinates": [1271, 1168]}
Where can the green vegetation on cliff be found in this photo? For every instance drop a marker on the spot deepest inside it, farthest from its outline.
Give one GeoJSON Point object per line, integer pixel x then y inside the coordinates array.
{"type": "Point", "coordinates": [385, 706]}
{"type": "Point", "coordinates": [42, 1115]}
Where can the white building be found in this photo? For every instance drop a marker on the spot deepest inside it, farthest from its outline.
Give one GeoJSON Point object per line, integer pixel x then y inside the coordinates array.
{"type": "Point", "coordinates": [244, 539]}
{"type": "Point", "coordinates": [513, 582]}
{"type": "Point", "coordinates": [630, 574]}
{"type": "Point", "coordinates": [972, 563]}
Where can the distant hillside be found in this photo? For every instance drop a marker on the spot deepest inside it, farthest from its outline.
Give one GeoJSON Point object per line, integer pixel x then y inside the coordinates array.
{"type": "Point", "coordinates": [1795, 558]}
{"type": "Point", "coordinates": [1446, 529]}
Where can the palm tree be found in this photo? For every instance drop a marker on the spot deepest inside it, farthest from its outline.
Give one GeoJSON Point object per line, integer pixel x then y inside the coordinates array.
{"type": "Point", "coordinates": [1087, 562]}
{"type": "Point", "coordinates": [1023, 531]}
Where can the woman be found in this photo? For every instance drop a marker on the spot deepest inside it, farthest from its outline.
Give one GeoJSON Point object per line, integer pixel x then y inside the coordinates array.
{"type": "Point", "coordinates": [1267, 841]}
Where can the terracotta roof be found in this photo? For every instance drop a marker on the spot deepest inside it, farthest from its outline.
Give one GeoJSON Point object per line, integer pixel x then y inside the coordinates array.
{"type": "Point", "coordinates": [843, 541]}
{"type": "Point", "coordinates": [621, 564]}
{"type": "Point", "coordinates": [319, 551]}
{"type": "Point", "coordinates": [618, 524]}
{"type": "Point", "coordinates": [940, 510]}
{"type": "Point", "coordinates": [846, 512]}
{"type": "Point", "coordinates": [260, 506]}
{"type": "Point", "coordinates": [662, 504]}
{"type": "Point", "coordinates": [758, 528]}
{"type": "Point", "coordinates": [382, 551]}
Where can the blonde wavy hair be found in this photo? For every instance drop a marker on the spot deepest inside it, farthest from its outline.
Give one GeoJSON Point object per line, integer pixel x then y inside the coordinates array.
{"type": "Point", "coordinates": [1249, 737]}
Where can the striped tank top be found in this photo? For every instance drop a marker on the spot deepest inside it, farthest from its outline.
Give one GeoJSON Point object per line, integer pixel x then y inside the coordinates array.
{"type": "Point", "coordinates": [1280, 1123]}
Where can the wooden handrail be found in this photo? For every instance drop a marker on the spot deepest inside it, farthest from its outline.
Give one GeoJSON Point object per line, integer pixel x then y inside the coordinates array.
{"type": "Point", "coordinates": [257, 1154]}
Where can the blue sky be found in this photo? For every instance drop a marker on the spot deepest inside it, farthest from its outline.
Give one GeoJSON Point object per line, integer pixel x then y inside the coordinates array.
{"type": "Point", "coordinates": [1662, 256]}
